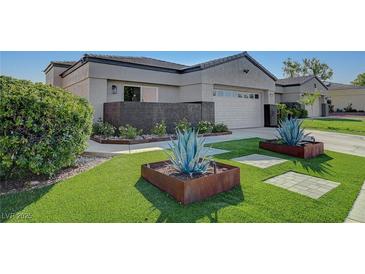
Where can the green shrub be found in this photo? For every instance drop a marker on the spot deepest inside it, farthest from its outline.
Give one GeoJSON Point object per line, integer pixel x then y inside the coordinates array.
{"type": "Point", "coordinates": [103, 129]}
{"type": "Point", "coordinates": [42, 128]}
{"type": "Point", "coordinates": [183, 125]}
{"type": "Point", "coordinates": [205, 127]}
{"type": "Point", "coordinates": [220, 127]}
{"type": "Point", "coordinates": [159, 129]}
{"type": "Point", "coordinates": [283, 112]}
{"type": "Point", "coordinates": [129, 132]}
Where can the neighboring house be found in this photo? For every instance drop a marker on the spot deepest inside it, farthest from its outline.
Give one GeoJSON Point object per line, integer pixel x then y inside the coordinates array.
{"type": "Point", "coordinates": [237, 85]}
{"type": "Point", "coordinates": [343, 95]}
{"type": "Point", "coordinates": [290, 90]}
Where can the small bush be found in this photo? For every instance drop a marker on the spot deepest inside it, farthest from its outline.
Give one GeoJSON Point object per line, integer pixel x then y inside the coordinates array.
{"type": "Point", "coordinates": [103, 129]}
{"type": "Point", "coordinates": [129, 132]}
{"type": "Point", "coordinates": [159, 129]}
{"type": "Point", "coordinates": [183, 125]}
{"type": "Point", "coordinates": [205, 127]}
{"type": "Point", "coordinates": [283, 112]}
{"type": "Point", "coordinates": [349, 108]}
{"type": "Point", "coordinates": [220, 127]}
{"type": "Point", "coordinates": [42, 128]}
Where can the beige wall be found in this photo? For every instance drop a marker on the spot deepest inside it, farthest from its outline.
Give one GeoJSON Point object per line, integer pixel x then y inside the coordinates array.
{"type": "Point", "coordinates": [342, 98]}
{"type": "Point", "coordinates": [231, 73]}
{"type": "Point", "coordinates": [166, 94]}
{"type": "Point", "coordinates": [97, 96]}
{"type": "Point", "coordinates": [80, 88]}
{"type": "Point", "coordinates": [53, 76]}
{"type": "Point", "coordinates": [105, 71]}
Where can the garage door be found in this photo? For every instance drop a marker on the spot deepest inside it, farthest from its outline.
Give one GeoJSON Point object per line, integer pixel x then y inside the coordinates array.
{"type": "Point", "coordinates": [238, 109]}
{"type": "Point", "coordinates": [315, 110]}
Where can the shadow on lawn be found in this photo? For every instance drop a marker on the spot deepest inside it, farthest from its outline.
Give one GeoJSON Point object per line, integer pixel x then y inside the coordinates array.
{"type": "Point", "coordinates": [12, 204]}
{"type": "Point", "coordinates": [173, 212]}
{"type": "Point", "coordinates": [318, 165]}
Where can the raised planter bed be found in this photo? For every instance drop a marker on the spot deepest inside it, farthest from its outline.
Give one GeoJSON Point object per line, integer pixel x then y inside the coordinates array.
{"type": "Point", "coordinates": [119, 141]}
{"type": "Point", "coordinates": [306, 151]}
{"type": "Point", "coordinates": [188, 190]}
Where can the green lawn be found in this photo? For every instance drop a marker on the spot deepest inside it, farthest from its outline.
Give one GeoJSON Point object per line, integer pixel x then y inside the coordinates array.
{"type": "Point", "coordinates": [115, 192]}
{"type": "Point", "coordinates": [350, 126]}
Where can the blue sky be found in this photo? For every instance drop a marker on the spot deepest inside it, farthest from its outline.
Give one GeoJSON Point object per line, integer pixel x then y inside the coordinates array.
{"type": "Point", "coordinates": [30, 65]}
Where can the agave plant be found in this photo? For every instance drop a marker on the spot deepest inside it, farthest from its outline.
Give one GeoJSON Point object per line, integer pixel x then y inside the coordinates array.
{"type": "Point", "coordinates": [186, 154]}
{"type": "Point", "coordinates": [290, 132]}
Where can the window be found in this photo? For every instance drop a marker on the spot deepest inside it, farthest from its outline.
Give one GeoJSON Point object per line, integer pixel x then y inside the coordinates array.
{"type": "Point", "coordinates": [257, 96]}
{"type": "Point", "coordinates": [251, 96]}
{"type": "Point", "coordinates": [132, 94]}
{"type": "Point", "coordinates": [114, 89]}
{"type": "Point", "coordinates": [315, 85]}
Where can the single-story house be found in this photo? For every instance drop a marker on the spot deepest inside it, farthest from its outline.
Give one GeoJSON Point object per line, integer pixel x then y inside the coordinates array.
{"type": "Point", "coordinates": [140, 90]}
{"type": "Point", "coordinates": [290, 90]}
{"type": "Point", "coordinates": [342, 96]}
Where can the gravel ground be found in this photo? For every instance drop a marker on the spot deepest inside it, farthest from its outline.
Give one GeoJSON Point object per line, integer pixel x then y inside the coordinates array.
{"type": "Point", "coordinates": [82, 164]}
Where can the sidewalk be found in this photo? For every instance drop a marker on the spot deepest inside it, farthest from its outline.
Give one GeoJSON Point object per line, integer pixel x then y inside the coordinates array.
{"type": "Point", "coordinates": [340, 142]}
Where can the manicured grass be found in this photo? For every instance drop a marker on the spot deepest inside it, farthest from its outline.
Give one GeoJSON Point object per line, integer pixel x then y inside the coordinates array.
{"type": "Point", "coordinates": [114, 192]}
{"type": "Point", "coordinates": [350, 126]}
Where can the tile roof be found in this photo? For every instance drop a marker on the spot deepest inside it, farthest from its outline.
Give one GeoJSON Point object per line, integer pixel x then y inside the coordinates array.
{"type": "Point", "coordinates": [139, 60]}
{"type": "Point", "coordinates": [160, 64]}
{"type": "Point", "coordinates": [294, 80]}
{"type": "Point", "coordinates": [67, 63]}
{"type": "Point", "coordinates": [334, 86]}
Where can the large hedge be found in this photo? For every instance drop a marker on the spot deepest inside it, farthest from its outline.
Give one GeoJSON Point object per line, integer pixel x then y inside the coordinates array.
{"type": "Point", "coordinates": [42, 128]}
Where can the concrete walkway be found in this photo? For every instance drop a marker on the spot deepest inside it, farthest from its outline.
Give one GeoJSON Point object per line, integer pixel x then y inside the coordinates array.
{"type": "Point", "coordinates": [357, 213]}
{"type": "Point", "coordinates": [345, 143]}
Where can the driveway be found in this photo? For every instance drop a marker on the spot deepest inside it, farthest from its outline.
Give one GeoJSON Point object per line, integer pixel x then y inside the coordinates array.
{"type": "Point", "coordinates": [345, 143]}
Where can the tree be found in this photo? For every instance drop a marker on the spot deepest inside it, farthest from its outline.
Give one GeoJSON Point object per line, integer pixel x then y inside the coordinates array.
{"type": "Point", "coordinates": [291, 68]}
{"type": "Point", "coordinates": [360, 80]}
{"type": "Point", "coordinates": [309, 99]}
{"type": "Point", "coordinates": [315, 67]}
{"type": "Point", "coordinates": [308, 67]}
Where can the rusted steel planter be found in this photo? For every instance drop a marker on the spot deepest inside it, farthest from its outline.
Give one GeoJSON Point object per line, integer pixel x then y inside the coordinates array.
{"type": "Point", "coordinates": [149, 140]}
{"type": "Point", "coordinates": [306, 151]}
{"type": "Point", "coordinates": [195, 189]}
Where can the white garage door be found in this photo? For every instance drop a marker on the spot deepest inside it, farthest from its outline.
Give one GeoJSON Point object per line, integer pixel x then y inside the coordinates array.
{"type": "Point", "coordinates": [238, 109]}
{"type": "Point", "coordinates": [315, 110]}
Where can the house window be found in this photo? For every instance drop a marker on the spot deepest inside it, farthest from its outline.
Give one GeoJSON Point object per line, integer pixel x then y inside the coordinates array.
{"type": "Point", "coordinates": [257, 96]}
{"type": "Point", "coordinates": [315, 85]}
{"type": "Point", "coordinates": [251, 96]}
{"type": "Point", "coordinates": [132, 94]}
{"type": "Point", "coordinates": [114, 89]}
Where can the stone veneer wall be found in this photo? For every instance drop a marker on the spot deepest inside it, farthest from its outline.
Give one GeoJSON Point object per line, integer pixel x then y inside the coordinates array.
{"type": "Point", "coordinates": [143, 115]}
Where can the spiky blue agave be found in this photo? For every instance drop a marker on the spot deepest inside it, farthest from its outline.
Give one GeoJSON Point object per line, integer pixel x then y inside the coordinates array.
{"type": "Point", "coordinates": [290, 132]}
{"type": "Point", "coordinates": [186, 154]}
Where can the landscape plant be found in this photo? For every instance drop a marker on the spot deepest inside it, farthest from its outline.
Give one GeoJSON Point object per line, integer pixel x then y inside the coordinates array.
{"type": "Point", "coordinates": [290, 132]}
{"type": "Point", "coordinates": [308, 99]}
{"type": "Point", "coordinates": [183, 125]}
{"type": "Point", "coordinates": [205, 127]}
{"type": "Point", "coordinates": [129, 132]}
{"type": "Point", "coordinates": [187, 154]}
{"type": "Point", "coordinates": [220, 127]}
{"type": "Point", "coordinates": [42, 128]}
{"type": "Point", "coordinates": [103, 128]}
{"type": "Point", "coordinates": [159, 129]}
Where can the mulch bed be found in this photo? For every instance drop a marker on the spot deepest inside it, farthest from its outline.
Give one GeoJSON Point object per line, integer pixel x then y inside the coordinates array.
{"type": "Point", "coordinates": [146, 139]}
{"type": "Point", "coordinates": [83, 163]}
